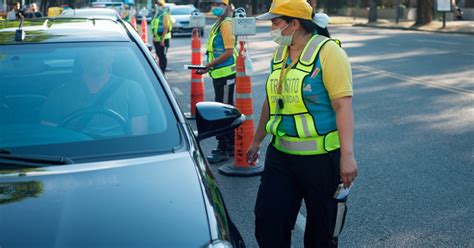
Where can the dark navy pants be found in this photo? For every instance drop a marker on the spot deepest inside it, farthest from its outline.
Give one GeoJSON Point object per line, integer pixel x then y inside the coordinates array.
{"type": "Point", "coordinates": [285, 182]}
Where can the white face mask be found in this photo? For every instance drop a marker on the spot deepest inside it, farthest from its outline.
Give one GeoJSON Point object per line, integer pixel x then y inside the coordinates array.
{"type": "Point", "coordinates": [282, 40]}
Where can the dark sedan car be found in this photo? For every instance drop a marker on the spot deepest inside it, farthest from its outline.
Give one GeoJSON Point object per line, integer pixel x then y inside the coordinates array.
{"type": "Point", "coordinates": [94, 150]}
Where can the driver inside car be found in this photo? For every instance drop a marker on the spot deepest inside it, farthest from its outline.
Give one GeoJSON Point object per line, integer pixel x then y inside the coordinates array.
{"type": "Point", "coordinates": [95, 102]}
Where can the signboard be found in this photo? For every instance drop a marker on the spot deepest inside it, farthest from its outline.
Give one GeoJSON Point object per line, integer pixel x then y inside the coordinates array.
{"type": "Point", "coordinates": [197, 21]}
{"type": "Point", "coordinates": [244, 26]}
{"type": "Point", "coordinates": [443, 5]}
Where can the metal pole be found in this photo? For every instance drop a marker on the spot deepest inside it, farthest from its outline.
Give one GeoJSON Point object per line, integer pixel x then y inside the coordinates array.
{"type": "Point", "coordinates": [444, 19]}
{"type": "Point", "coordinates": [398, 11]}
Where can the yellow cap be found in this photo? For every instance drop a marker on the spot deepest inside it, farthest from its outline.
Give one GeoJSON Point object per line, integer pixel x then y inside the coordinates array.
{"type": "Point", "coordinates": [220, 1]}
{"type": "Point", "coordinates": [292, 8]}
{"type": "Point", "coordinates": [162, 2]}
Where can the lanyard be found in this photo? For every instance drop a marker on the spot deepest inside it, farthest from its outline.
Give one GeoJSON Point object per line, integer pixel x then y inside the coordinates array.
{"type": "Point", "coordinates": [283, 74]}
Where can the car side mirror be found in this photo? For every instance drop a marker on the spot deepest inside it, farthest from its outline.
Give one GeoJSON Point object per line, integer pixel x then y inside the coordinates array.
{"type": "Point", "coordinates": [150, 47]}
{"type": "Point", "coordinates": [213, 118]}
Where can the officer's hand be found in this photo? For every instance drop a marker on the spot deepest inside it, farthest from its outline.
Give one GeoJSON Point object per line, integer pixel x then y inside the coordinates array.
{"type": "Point", "coordinates": [162, 43]}
{"type": "Point", "coordinates": [253, 153]}
{"type": "Point", "coordinates": [203, 71]}
{"type": "Point", "coordinates": [347, 169]}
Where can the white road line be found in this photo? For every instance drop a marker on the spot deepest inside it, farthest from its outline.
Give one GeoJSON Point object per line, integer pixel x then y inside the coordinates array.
{"type": "Point", "coordinates": [437, 41]}
{"type": "Point", "coordinates": [414, 80]}
{"type": "Point", "coordinates": [301, 221]}
{"type": "Point", "coordinates": [177, 91]}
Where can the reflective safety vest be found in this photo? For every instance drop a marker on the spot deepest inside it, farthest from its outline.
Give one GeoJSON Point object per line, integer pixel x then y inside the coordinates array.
{"type": "Point", "coordinates": [311, 125]}
{"type": "Point", "coordinates": [215, 48]}
{"type": "Point", "coordinates": [157, 26]}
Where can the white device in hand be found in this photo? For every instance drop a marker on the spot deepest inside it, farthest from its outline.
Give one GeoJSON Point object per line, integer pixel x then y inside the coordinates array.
{"type": "Point", "coordinates": [194, 67]}
{"type": "Point", "coordinates": [342, 192]}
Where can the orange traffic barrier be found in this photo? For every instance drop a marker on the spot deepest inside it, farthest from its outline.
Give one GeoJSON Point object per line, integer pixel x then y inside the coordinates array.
{"type": "Point", "coordinates": [133, 21]}
{"type": "Point", "coordinates": [197, 83]}
{"type": "Point", "coordinates": [244, 133]}
{"type": "Point", "coordinates": [144, 30]}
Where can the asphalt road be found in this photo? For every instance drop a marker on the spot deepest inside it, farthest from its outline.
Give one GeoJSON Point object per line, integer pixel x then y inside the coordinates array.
{"type": "Point", "coordinates": [414, 136]}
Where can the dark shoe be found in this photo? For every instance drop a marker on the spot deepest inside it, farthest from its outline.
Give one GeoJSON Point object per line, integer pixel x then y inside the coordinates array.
{"type": "Point", "coordinates": [218, 156]}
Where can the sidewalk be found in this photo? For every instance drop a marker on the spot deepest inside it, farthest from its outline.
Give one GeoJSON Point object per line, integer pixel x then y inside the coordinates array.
{"type": "Point", "coordinates": [459, 27]}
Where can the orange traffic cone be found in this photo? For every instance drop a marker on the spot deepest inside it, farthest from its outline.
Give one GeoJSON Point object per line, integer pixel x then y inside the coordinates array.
{"type": "Point", "coordinates": [244, 133]}
{"type": "Point", "coordinates": [133, 21]}
{"type": "Point", "coordinates": [144, 30]}
{"type": "Point", "coordinates": [197, 83]}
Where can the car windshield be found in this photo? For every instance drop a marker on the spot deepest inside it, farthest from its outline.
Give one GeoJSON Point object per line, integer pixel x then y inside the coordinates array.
{"type": "Point", "coordinates": [183, 10]}
{"type": "Point", "coordinates": [83, 100]}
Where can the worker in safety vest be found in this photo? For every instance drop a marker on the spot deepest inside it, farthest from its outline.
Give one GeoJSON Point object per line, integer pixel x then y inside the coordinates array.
{"type": "Point", "coordinates": [221, 57]}
{"type": "Point", "coordinates": [308, 111]}
{"type": "Point", "coordinates": [161, 28]}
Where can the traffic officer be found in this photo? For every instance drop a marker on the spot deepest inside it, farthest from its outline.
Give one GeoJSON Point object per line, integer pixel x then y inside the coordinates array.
{"type": "Point", "coordinates": [161, 28]}
{"type": "Point", "coordinates": [308, 110]}
{"type": "Point", "coordinates": [221, 57]}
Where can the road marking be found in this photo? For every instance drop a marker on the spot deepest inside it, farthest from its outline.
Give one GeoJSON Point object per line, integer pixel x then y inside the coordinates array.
{"type": "Point", "coordinates": [437, 41]}
{"type": "Point", "coordinates": [177, 91]}
{"type": "Point", "coordinates": [301, 221]}
{"type": "Point", "coordinates": [414, 80]}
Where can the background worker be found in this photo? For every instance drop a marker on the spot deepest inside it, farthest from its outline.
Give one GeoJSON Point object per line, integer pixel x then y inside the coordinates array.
{"type": "Point", "coordinates": [308, 110]}
{"type": "Point", "coordinates": [161, 29]}
{"type": "Point", "coordinates": [11, 15]}
{"type": "Point", "coordinates": [34, 13]}
{"type": "Point", "coordinates": [221, 57]}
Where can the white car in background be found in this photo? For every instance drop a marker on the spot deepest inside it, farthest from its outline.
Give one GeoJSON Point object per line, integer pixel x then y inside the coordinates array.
{"type": "Point", "coordinates": [96, 13]}
{"type": "Point", "coordinates": [180, 15]}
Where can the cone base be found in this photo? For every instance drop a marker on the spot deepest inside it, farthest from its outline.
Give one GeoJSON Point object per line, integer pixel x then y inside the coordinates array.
{"type": "Point", "coordinates": [231, 170]}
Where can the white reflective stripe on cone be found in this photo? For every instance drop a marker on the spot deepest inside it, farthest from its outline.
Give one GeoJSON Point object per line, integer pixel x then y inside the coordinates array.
{"type": "Point", "coordinates": [243, 96]}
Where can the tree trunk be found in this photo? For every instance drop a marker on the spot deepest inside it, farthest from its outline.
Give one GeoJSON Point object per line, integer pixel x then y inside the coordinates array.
{"type": "Point", "coordinates": [424, 12]}
{"type": "Point", "coordinates": [373, 11]}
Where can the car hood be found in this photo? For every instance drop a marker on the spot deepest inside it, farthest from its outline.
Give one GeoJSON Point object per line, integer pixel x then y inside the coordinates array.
{"type": "Point", "coordinates": [147, 202]}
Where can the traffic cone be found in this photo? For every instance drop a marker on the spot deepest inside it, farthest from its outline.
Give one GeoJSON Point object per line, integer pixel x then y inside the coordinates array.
{"type": "Point", "coordinates": [197, 83]}
{"type": "Point", "coordinates": [144, 30]}
{"type": "Point", "coordinates": [244, 133]}
{"type": "Point", "coordinates": [133, 21]}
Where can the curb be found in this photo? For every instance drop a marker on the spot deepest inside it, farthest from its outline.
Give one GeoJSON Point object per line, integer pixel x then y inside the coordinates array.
{"type": "Point", "coordinates": [410, 29]}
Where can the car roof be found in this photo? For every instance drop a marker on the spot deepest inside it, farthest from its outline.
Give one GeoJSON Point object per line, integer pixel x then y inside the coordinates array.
{"type": "Point", "coordinates": [92, 13]}
{"type": "Point", "coordinates": [49, 30]}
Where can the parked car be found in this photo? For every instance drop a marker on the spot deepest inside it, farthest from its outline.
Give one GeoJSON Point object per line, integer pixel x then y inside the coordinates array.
{"type": "Point", "coordinates": [180, 15]}
{"type": "Point", "coordinates": [144, 12]}
{"type": "Point", "coordinates": [118, 6]}
{"type": "Point", "coordinates": [94, 150]}
{"type": "Point", "coordinates": [96, 13]}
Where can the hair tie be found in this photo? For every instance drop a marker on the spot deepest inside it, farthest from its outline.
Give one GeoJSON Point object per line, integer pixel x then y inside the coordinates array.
{"type": "Point", "coordinates": [321, 19]}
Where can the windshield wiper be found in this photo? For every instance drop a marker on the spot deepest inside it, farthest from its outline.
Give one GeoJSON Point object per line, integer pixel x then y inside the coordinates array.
{"type": "Point", "coordinates": [31, 160]}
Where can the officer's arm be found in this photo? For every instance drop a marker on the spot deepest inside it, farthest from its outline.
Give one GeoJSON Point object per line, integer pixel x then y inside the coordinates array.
{"type": "Point", "coordinates": [165, 25]}
{"type": "Point", "coordinates": [345, 125]}
{"type": "Point", "coordinates": [260, 133]}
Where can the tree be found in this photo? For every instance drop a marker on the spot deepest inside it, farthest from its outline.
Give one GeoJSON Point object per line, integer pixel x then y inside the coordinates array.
{"type": "Point", "coordinates": [373, 11]}
{"type": "Point", "coordinates": [424, 12]}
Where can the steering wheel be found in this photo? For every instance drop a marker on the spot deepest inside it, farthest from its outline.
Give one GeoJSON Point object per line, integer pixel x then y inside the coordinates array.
{"type": "Point", "coordinates": [86, 115]}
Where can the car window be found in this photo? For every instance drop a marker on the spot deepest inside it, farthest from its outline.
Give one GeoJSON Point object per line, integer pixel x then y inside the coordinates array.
{"type": "Point", "coordinates": [54, 98]}
{"type": "Point", "coordinates": [182, 10]}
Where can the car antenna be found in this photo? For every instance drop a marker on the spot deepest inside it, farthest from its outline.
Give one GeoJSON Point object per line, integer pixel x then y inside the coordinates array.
{"type": "Point", "coordinates": [20, 33]}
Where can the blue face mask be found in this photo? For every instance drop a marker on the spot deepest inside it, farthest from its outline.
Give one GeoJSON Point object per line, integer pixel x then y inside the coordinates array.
{"type": "Point", "coordinates": [218, 11]}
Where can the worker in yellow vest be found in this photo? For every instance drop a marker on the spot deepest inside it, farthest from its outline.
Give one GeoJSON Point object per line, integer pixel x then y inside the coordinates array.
{"type": "Point", "coordinates": [308, 111]}
{"type": "Point", "coordinates": [221, 57]}
{"type": "Point", "coordinates": [161, 28]}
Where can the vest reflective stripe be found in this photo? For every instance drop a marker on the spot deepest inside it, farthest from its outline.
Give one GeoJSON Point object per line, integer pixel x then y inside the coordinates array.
{"type": "Point", "coordinates": [305, 126]}
{"type": "Point", "coordinates": [272, 125]}
{"type": "Point", "coordinates": [219, 71]}
{"type": "Point", "coordinates": [308, 142]}
{"type": "Point", "coordinates": [307, 146]}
